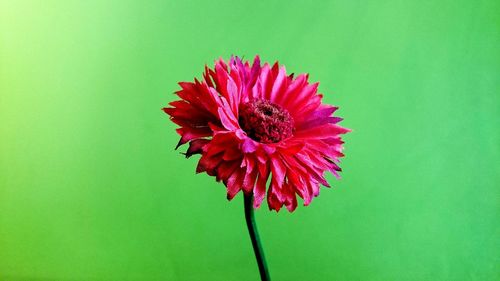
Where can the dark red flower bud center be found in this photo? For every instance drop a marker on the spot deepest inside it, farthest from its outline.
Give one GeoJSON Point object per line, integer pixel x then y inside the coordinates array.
{"type": "Point", "coordinates": [265, 122]}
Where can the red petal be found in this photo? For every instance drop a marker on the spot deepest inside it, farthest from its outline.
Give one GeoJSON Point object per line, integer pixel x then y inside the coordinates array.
{"type": "Point", "coordinates": [259, 191]}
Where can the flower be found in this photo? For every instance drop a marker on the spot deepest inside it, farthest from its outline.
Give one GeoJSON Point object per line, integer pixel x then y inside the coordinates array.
{"type": "Point", "coordinates": [254, 122]}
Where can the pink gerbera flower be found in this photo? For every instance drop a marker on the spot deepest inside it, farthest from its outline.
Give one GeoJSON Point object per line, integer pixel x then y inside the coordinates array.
{"type": "Point", "coordinates": [254, 122]}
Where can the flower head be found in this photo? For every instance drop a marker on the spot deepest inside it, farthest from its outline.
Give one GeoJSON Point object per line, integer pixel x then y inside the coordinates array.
{"type": "Point", "coordinates": [252, 123]}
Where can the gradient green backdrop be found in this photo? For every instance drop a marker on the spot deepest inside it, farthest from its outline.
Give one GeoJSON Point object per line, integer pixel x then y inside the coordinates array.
{"type": "Point", "coordinates": [91, 188]}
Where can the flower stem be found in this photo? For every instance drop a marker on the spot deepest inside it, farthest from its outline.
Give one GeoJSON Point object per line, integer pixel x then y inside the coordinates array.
{"type": "Point", "coordinates": [254, 236]}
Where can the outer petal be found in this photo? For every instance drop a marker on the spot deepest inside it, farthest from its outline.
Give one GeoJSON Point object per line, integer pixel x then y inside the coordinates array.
{"type": "Point", "coordinates": [259, 191]}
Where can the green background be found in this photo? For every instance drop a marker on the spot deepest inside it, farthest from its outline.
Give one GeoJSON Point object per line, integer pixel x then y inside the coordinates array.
{"type": "Point", "coordinates": [91, 188]}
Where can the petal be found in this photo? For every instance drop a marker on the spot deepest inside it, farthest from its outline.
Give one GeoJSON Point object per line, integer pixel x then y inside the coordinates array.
{"type": "Point", "coordinates": [227, 120]}
{"type": "Point", "coordinates": [299, 186]}
{"type": "Point", "coordinates": [279, 170]}
{"type": "Point", "coordinates": [249, 145]}
{"type": "Point", "coordinates": [234, 183]}
{"type": "Point", "coordinates": [259, 191]}
{"type": "Point", "coordinates": [321, 132]}
{"type": "Point", "coordinates": [250, 176]}
{"type": "Point", "coordinates": [188, 134]}
{"type": "Point", "coordinates": [279, 85]}
{"type": "Point", "coordinates": [291, 200]}
{"type": "Point", "coordinates": [272, 199]}
{"type": "Point", "coordinates": [196, 147]}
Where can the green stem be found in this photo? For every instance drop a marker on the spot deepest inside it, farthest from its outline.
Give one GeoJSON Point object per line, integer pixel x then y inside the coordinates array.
{"type": "Point", "coordinates": [254, 236]}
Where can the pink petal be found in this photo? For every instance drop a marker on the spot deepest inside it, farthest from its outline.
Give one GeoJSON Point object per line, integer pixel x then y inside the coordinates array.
{"type": "Point", "coordinates": [259, 191]}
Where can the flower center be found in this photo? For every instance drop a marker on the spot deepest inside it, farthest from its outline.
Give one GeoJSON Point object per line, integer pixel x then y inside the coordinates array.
{"type": "Point", "coordinates": [265, 122]}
